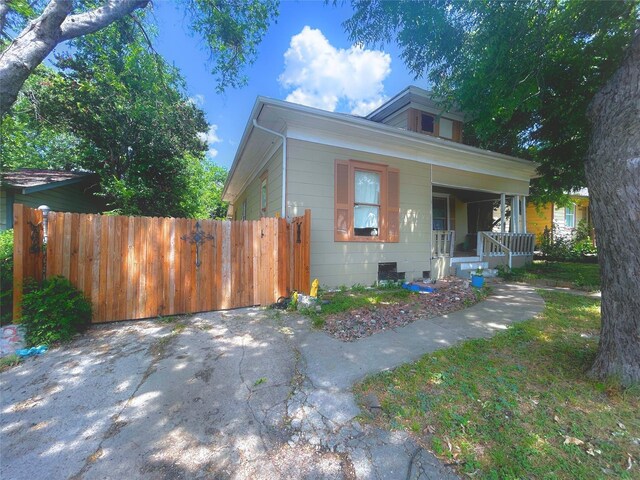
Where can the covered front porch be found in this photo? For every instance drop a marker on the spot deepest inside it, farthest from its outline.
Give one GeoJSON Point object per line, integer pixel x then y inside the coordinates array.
{"type": "Point", "coordinates": [474, 228]}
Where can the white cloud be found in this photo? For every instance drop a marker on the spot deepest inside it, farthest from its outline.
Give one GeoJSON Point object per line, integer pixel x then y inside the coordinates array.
{"type": "Point", "coordinates": [322, 76]}
{"type": "Point", "coordinates": [210, 138]}
{"type": "Point", "coordinates": [197, 100]}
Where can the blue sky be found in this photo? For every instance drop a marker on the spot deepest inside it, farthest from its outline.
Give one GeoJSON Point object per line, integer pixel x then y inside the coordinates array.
{"type": "Point", "coordinates": [305, 57]}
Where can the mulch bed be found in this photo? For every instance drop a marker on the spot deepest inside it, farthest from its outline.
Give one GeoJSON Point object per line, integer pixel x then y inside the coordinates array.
{"type": "Point", "coordinates": [452, 294]}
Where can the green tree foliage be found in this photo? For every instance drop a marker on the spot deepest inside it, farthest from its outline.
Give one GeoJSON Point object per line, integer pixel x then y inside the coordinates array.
{"type": "Point", "coordinates": [28, 141]}
{"type": "Point", "coordinates": [117, 109]}
{"type": "Point", "coordinates": [6, 277]}
{"type": "Point", "coordinates": [523, 72]}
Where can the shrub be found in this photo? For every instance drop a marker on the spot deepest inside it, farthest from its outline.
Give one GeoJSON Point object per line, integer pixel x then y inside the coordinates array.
{"type": "Point", "coordinates": [557, 248]}
{"type": "Point", "coordinates": [6, 277]}
{"type": "Point", "coordinates": [54, 311]}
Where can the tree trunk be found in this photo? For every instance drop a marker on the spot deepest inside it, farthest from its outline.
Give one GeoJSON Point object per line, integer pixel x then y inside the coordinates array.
{"type": "Point", "coordinates": [613, 177]}
{"type": "Point", "coordinates": [41, 36]}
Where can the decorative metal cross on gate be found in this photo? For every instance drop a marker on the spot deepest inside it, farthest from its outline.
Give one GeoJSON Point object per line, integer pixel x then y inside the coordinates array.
{"type": "Point", "coordinates": [198, 237]}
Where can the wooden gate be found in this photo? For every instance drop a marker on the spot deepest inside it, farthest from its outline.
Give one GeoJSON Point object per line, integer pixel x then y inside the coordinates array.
{"type": "Point", "coordinates": [140, 267]}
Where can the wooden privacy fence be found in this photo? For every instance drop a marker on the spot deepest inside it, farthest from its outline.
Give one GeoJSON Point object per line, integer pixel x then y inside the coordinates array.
{"type": "Point", "coordinates": [140, 267]}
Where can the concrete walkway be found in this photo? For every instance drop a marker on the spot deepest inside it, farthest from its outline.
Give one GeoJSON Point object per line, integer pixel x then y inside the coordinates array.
{"type": "Point", "coordinates": [323, 408]}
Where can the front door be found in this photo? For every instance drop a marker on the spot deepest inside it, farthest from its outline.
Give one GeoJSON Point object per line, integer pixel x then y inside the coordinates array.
{"type": "Point", "coordinates": [440, 213]}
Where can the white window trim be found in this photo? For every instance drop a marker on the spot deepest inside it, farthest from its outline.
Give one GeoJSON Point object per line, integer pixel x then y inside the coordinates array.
{"type": "Point", "coordinates": [264, 184]}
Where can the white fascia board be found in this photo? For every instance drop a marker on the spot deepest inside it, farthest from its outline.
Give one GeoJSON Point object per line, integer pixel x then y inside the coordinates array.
{"type": "Point", "coordinates": [393, 142]}
{"type": "Point", "coordinates": [255, 111]}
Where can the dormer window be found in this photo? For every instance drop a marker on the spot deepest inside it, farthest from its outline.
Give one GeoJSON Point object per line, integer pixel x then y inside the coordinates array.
{"type": "Point", "coordinates": [428, 123]}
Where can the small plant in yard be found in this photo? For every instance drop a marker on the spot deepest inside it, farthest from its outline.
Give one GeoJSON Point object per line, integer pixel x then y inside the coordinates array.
{"type": "Point", "coordinates": [54, 311]}
{"type": "Point", "coordinates": [9, 361]}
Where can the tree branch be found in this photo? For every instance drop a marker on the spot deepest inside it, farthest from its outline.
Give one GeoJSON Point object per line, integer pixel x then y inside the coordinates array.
{"type": "Point", "coordinates": [41, 36]}
{"type": "Point", "coordinates": [94, 20]}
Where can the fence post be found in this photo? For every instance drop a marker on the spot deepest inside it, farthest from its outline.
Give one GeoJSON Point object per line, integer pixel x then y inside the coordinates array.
{"type": "Point", "coordinates": [18, 258]}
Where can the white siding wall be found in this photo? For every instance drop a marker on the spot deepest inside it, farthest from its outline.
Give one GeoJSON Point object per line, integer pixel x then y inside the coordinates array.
{"type": "Point", "coordinates": [310, 184]}
{"type": "Point", "coordinates": [559, 224]}
{"type": "Point", "coordinates": [252, 192]}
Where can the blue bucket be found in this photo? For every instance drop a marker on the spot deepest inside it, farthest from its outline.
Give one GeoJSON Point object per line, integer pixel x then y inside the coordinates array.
{"type": "Point", "coordinates": [477, 281]}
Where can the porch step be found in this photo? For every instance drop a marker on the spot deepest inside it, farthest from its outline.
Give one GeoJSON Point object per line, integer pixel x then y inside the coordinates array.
{"type": "Point", "coordinates": [454, 260]}
{"type": "Point", "coordinates": [464, 270]}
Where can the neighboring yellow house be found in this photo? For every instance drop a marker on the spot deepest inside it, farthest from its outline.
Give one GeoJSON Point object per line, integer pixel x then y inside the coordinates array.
{"type": "Point", "coordinates": [564, 219]}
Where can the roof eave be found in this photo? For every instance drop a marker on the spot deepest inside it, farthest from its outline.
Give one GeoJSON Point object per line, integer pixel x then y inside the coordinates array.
{"type": "Point", "coordinates": [255, 112]}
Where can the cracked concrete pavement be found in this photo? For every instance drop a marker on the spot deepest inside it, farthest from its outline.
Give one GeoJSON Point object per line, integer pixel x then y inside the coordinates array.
{"type": "Point", "coordinates": [240, 394]}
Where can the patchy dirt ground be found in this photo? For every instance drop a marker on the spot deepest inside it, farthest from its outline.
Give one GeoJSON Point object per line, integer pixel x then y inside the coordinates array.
{"type": "Point", "coordinates": [451, 294]}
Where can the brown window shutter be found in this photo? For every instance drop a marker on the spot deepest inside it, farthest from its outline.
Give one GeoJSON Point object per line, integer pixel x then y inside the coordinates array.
{"type": "Point", "coordinates": [413, 120]}
{"type": "Point", "coordinates": [393, 205]}
{"type": "Point", "coordinates": [342, 210]}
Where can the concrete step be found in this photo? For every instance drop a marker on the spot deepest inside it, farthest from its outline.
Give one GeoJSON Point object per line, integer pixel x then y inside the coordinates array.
{"type": "Point", "coordinates": [454, 260]}
{"type": "Point", "coordinates": [464, 270]}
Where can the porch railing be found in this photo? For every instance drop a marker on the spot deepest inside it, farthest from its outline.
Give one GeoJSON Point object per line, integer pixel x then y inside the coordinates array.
{"type": "Point", "coordinates": [497, 244]}
{"type": "Point", "coordinates": [443, 243]}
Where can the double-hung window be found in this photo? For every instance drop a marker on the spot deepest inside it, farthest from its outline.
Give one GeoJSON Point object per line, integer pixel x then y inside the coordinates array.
{"type": "Point", "coordinates": [263, 194]}
{"type": "Point", "coordinates": [366, 209]}
{"type": "Point", "coordinates": [367, 202]}
{"type": "Point", "coordinates": [570, 216]}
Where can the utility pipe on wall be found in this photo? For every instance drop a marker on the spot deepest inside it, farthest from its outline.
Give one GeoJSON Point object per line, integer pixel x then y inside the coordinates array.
{"type": "Point", "coordinates": [283, 212]}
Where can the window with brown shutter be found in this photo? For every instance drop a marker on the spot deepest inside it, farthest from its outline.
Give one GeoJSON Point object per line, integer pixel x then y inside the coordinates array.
{"type": "Point", "coordinates": [367, 202]}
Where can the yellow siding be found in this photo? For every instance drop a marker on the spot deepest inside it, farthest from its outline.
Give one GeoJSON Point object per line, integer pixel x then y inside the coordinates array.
{"type": "Point", "coordinates": [252, 193]}
{"type": "Point", "coordinates": [310, 184]}
{"type": "Point", "coordinates": [546, 216]}
{"type": "Point", "coordinates": [538, 218]}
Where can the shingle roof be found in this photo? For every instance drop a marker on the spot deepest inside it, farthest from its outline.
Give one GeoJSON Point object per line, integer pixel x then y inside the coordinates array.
{"type": "Point", "coordinates": [33, 177]}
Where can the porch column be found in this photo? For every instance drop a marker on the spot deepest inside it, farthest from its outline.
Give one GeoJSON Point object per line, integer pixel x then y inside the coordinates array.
{"type": "Point", "coordinates": [515, 214]}
{"type": "Point", "coordinates": [503, 209]}
{"type": "Point", "coordinates": [524, 214]}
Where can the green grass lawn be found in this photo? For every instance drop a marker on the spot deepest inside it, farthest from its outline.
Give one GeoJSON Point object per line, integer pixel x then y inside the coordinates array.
{"type": "Point", "coordinates": [580, 275]}
{"type": "Point", "coordinates": [519, 405]}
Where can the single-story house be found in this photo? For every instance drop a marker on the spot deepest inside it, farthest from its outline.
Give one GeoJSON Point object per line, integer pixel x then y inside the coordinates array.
{"type": "Point", "coordinates": [395, 193]}
{"type": "Point", "coordinates": [561, 220]}
{"type": "Point", "coordinates": [61, 191]}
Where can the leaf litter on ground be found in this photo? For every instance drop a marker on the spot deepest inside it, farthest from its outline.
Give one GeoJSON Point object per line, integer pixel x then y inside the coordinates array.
{"type": "Point", "coordinates": [451, 294]}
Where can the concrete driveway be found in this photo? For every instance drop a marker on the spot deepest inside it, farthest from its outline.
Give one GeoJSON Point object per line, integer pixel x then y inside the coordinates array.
{"type": "Point", "coordinates": [246, 394]}
{"type": "Point", "coordinates": [202, 398]}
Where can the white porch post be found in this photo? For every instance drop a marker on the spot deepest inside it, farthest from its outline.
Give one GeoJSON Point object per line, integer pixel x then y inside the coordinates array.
{"type": "Point", "coordinates": [515, 214]}
{"type": "Point", "coordinates": [503, 208]}
{"type": "Point", "coordinates": [524, 214]}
